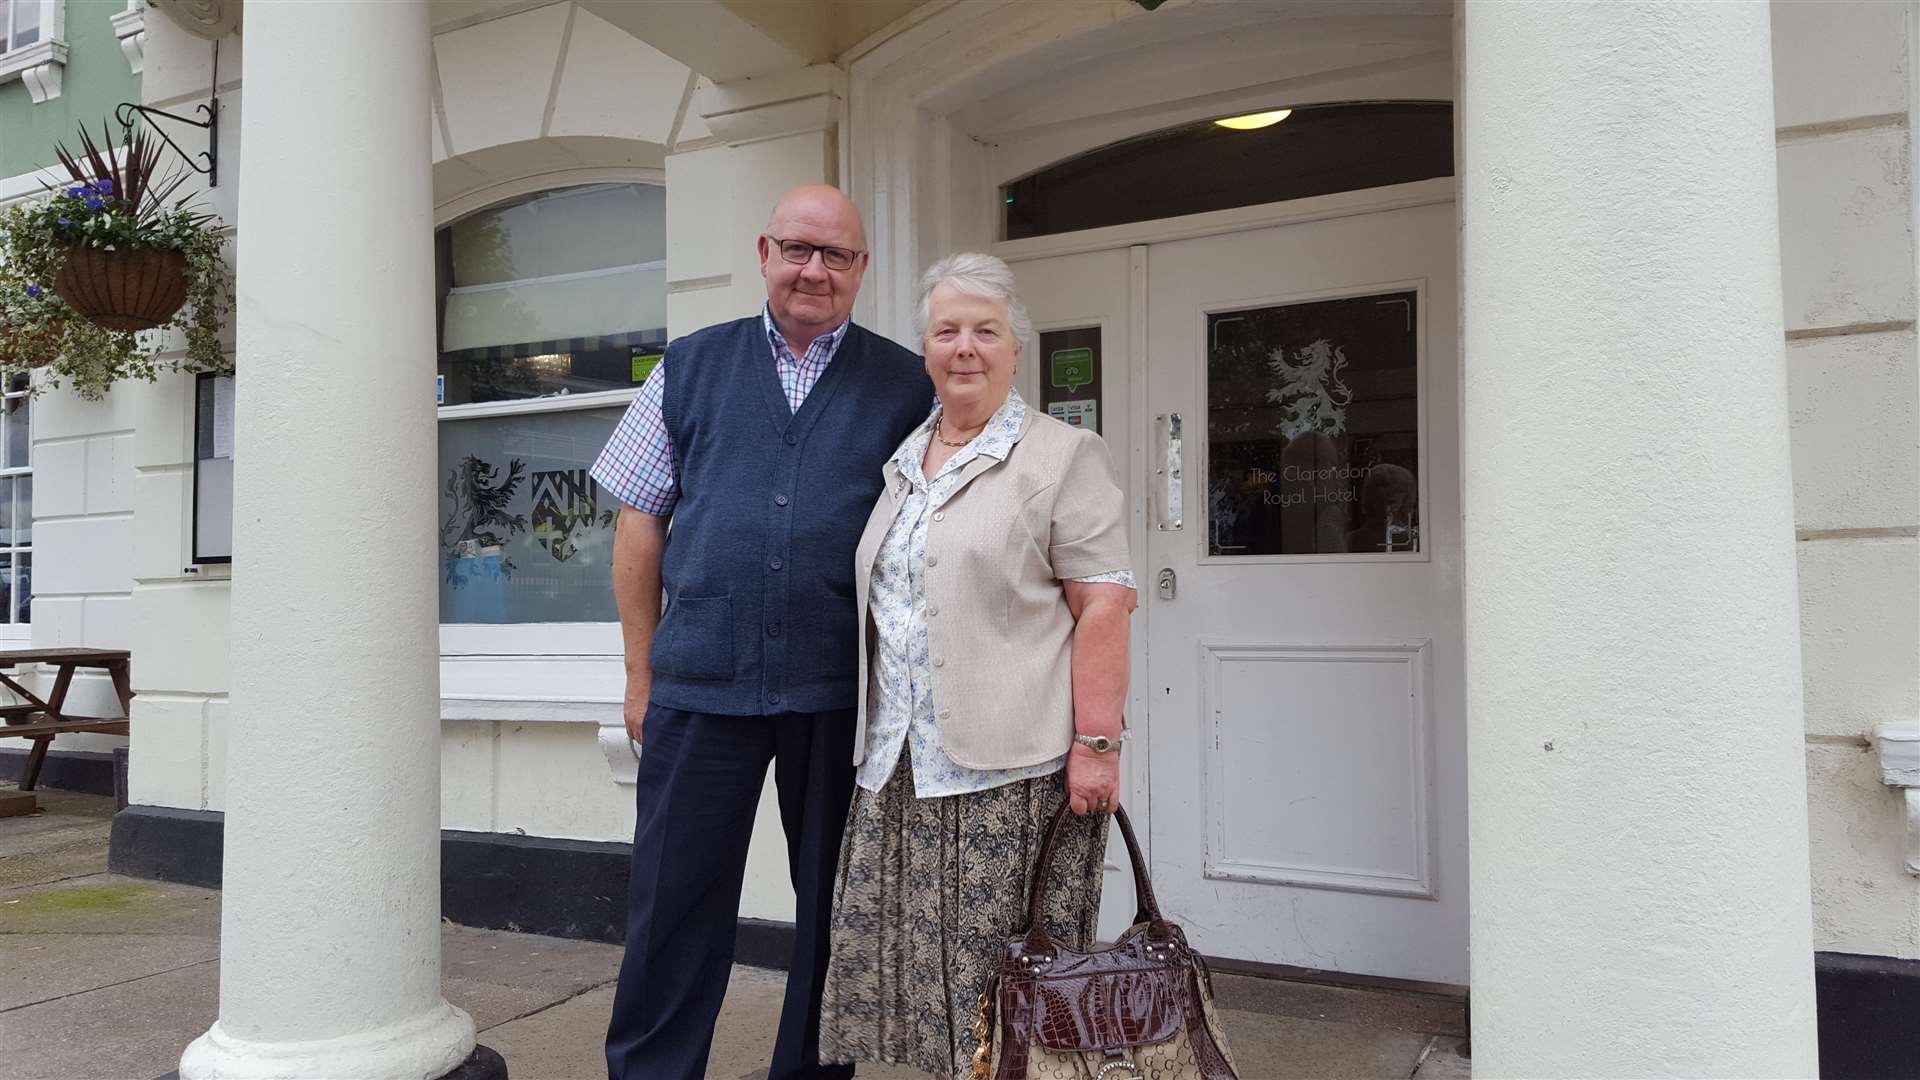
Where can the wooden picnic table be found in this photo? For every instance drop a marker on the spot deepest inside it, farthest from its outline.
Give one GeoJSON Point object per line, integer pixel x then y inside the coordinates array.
{"type": "Point", "coordinates": [41, 719]}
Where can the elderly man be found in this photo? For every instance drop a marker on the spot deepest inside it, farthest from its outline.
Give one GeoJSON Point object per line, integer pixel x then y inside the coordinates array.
{"type": "Point", "coordinates": [762, 441]}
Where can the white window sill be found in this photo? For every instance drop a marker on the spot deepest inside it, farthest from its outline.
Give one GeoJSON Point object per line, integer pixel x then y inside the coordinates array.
{"type": "Point", "coordinates": [39, 65]}
{"type": "Point", "coordinates": [540, 673]}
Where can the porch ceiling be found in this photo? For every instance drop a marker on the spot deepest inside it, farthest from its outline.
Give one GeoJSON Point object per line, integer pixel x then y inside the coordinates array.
{"type": "Point", "coordinates": [721, 39]}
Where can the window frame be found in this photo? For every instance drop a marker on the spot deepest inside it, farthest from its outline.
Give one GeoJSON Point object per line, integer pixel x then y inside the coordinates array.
{"type": "Point", "coordinates": [47, 51]}
{"type": "Point", "coordinates": [478, 659]}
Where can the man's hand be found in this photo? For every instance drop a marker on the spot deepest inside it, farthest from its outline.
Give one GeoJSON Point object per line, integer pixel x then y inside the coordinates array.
{"type": "Point", "coordinates": [638, 542]}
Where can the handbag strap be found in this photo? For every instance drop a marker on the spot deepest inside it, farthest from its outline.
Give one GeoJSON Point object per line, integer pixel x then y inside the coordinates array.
{"type": "Point", "coordinates": [1037, 938]}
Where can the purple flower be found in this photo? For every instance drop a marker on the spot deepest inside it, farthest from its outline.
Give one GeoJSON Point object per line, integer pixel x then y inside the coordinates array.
{"type": "Point", "coordinates": [104, 187]}
{"type": "Point", "coordinates": [64, 221]}
{"type": "Point", "coordinates": [33, 291]}
{"type": "Point", "coordinates": [74, 192]}
{"type": "Point", "coordinates": [94, 203]}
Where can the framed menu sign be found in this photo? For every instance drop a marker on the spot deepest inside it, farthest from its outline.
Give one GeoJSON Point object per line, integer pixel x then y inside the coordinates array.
{"type": "Point", "coordinates": [213, 469]}
{"type": "Point", "coordinates": [1070, 375]}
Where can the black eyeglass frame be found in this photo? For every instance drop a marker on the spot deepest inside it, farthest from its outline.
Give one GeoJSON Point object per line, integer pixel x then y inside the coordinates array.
{"type": "Point", "coordinates": [807, 250]}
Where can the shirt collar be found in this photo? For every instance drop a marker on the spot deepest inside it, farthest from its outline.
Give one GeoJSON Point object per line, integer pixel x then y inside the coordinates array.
{"type": "Point", "coordinates": [995, 440]}
{"type": "Point", "coordinates": [831, 339]}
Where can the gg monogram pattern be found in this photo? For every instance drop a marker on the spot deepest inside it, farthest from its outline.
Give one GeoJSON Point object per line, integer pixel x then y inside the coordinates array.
{"type": "Point", "coordinates": [928, 893]}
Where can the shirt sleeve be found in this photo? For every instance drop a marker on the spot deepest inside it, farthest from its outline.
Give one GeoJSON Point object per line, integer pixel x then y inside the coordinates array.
{"type": "Point", "coordinates": [637, 465]}
{"type": "Point", "coordinates": [1089, 535]}
{"type": "Point", "coordinates": [1116, 577]}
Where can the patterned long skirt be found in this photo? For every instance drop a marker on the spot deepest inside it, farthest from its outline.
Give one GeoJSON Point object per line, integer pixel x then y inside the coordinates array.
{"type": "Point", "coordinates": [929, 892]}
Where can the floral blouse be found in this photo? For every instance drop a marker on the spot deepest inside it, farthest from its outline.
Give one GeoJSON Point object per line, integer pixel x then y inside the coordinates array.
{"type": "Point", "coordinates": [900, 690]}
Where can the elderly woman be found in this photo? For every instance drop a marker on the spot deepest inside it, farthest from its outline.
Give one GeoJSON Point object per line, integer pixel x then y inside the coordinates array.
{"type": "Point", "coordinates": [996, 573]}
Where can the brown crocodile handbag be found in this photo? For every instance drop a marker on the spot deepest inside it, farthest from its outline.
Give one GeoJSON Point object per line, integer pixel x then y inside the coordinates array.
{"type": "Point", "coordinates": [1141, 1009]}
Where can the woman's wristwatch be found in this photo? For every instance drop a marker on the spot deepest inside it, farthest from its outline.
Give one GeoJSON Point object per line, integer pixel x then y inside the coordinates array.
{"type": "Point", "coordinates": [1101, 744]}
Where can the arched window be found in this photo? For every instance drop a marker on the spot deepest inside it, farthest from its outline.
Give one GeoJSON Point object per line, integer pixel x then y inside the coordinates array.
{"type": "Point", "coordinates": [1234, 161]}
{"type": "Point", "coordinates": [551, 311]}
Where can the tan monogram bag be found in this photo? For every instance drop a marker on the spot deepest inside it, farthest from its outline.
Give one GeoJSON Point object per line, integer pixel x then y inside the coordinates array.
{"type": "Point", "coordinates": [1141, 1009]}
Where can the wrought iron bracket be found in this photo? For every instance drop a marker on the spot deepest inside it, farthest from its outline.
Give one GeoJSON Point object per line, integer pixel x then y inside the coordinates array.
{"type": "Point", "coordinates": [211, 125]}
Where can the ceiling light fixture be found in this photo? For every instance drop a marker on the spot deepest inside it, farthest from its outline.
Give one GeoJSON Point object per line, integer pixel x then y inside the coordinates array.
{"type": "Point", "coordinates": [1255, 121]}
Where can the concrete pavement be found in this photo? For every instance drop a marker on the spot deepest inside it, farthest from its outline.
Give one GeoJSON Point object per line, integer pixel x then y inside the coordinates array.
{"type": "Point", "coordinates": [108, 978]}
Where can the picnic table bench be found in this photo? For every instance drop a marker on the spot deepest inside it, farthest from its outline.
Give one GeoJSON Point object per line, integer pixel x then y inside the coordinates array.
{"type": "Point", "coordinates": [41, 719]}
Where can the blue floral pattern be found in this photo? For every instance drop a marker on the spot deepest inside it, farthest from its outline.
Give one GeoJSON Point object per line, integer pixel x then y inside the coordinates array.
{"type": "Point", "coordinates": [900, 688]}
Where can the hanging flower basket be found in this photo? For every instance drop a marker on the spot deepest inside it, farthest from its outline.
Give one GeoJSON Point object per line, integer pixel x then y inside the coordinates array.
{"type": "Point", "coordinates": [87, 270]}
{"type": "Point", "coordinates": [123, 290]}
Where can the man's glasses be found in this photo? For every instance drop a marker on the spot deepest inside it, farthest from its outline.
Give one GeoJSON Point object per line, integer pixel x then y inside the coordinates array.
{"type": "Point", "coordinates": [801, 252]}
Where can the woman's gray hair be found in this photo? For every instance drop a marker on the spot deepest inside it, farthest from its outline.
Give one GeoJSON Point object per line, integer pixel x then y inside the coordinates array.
{"type": "Point", "coordinates": [974, 274]}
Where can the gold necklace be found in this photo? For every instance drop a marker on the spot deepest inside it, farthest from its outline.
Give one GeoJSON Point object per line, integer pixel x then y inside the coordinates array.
{"type": "Point", "coordinates": [956, 445]}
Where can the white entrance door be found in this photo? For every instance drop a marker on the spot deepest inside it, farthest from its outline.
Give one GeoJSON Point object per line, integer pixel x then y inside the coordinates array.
{"type": "Point", "coordinates": [1304, 679]}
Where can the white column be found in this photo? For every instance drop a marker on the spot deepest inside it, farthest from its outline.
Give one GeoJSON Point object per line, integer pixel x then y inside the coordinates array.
{"type": "Point", "coordinates": [1637, 786]}
{"type": "Point", "coordinates": [330, 935]}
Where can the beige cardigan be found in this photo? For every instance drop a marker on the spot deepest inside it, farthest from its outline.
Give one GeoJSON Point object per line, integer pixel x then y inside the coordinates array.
{"type": "Point", "coordinates": [999, 632]}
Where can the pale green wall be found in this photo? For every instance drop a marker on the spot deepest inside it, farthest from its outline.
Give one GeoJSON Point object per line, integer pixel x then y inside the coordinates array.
{"type": "Point", "coordinates": [96, 80]}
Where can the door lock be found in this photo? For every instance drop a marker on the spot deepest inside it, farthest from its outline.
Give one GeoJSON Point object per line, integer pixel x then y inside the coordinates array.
{"type": "Point", "coordinates": [1167, 583]}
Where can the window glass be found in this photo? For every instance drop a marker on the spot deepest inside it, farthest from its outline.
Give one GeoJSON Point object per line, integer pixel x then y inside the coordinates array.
{"type": "Point", "coordinates": [1070, 379]}
{"type": "Point", "coordinates": [26, 23]}
{"type": "Point", "coordinates": [14, 454]}
{"type": "Point", "coordinates": [1313, 445]}
{"type": "Point", "coordinates": [525, 533]}
{"type": "Point", "coordinates": [1314, 150]}
{"type": "Point", "coordinates": [16, 501]}
{"type": "Point", "coordinates": [557, 293]}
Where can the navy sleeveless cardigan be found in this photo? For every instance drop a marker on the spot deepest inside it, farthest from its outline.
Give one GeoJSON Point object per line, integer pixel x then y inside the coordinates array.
{"type": "Point", "coordinates": [758, 569]}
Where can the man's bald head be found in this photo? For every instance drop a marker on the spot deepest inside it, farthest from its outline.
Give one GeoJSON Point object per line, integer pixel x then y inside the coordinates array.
{"type": "Point", "coordinates": [810, 298]}
{"type": "Point", "coordinates": [822, 205]}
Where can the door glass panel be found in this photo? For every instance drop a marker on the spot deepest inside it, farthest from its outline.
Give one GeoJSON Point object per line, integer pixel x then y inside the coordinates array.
{"type": "Point", "coordinates": [1070, 376]}
{"type": "Point", "coordinates": [1312, 427]}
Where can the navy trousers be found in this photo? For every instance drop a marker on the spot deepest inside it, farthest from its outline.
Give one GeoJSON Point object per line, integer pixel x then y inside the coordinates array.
{"type": "Point", "coordinates": [699, 785]}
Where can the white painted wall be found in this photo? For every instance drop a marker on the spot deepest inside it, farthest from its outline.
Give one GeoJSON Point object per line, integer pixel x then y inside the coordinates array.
{"type": "Point", "coordinates": [1843, 104]}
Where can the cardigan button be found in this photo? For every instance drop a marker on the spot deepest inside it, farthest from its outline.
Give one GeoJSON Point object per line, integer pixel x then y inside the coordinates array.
{"type": "Point", "coordinates": [773, 697]}
{"type": "Point", "coordinates": [946, 714]}
{"type": "Point", "coordinates": [932, 611]}
{"type": "Point", "coordinates": [792, 439]}
{"type": "Point", "coordinates": [774, 563]}
{"type": "Point", "coordinates": [939, 515]}
{"type": "Point", "coordinates": [932, 559]}
{"type": "Point", "coordinates": [779, 500]}
{"type": "Point", "coordinates": [939, 661]}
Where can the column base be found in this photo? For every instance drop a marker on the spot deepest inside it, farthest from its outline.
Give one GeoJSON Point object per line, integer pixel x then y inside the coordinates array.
{"type": "Point", "coordinates": [485, 1063]}
{"type": "Point", "coordinates": [437, 1043]}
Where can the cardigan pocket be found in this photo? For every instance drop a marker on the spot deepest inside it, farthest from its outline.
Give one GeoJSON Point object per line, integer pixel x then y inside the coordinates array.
{"type": "Point", "coordinates": [695, 638]}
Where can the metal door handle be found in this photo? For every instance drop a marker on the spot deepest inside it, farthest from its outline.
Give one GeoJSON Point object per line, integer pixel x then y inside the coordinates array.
{"type": "Point", "coordinates": [1167, 471]}
{"type": "Point", "coordinates": [1167, 583]}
